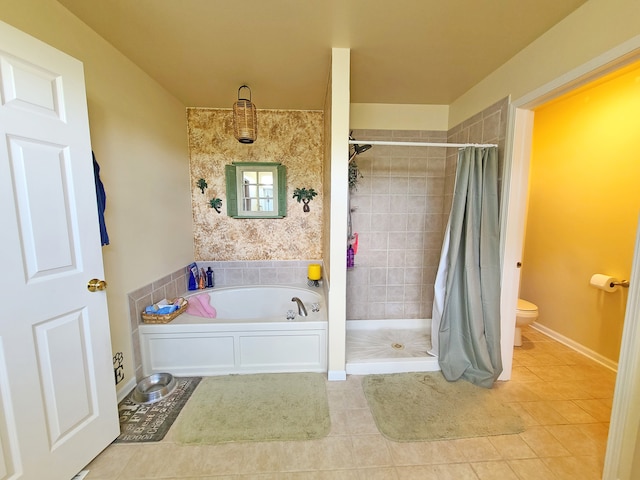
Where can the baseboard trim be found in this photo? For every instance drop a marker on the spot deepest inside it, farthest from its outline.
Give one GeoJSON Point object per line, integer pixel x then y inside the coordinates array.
{"type": "Point", "coordinates": [337, 375]}
{"type": "Point", "coordinates": [587, 352]}
{"type": "Point", "coordinates": [126, 389]}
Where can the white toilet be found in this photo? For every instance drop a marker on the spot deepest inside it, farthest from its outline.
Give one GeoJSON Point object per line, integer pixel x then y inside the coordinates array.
{"type": "Point", "coordinates": [526, 314]}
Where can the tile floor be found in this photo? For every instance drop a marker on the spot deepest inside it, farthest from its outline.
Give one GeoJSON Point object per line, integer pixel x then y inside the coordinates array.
{"type": "Point", "coordinates": [564, 398]}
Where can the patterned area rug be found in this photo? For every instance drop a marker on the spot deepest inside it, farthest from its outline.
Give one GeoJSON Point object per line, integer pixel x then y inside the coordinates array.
{"type": "Point", "coordinates": [262, 407]}
{"type": "Point", "coordinates": [151, 422]}
{"type": "Point", "coordinates": [411, 407]}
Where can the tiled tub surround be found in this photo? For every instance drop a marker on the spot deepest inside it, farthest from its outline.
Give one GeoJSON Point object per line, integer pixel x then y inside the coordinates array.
{"type": "Point", "coordinates": [225, 273]}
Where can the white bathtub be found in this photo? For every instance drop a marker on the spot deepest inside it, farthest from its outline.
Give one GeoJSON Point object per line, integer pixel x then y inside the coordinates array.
{"type": "Point", "coordinates": [250, 334]}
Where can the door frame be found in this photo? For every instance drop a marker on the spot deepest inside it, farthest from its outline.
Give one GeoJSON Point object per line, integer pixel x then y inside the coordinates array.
{"type": "Point", "coordinates": [625, 417]}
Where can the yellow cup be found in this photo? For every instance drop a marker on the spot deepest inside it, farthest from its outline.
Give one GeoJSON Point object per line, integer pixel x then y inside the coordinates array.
{"type": "Point", "coordinates": [315, 272]}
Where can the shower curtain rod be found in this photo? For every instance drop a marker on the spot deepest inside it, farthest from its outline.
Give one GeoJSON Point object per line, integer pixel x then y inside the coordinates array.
{"type": "Point", "coordinates": [420, 144]}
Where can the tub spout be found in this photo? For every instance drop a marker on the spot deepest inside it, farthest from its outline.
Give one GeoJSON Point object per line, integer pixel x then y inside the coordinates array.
{"type": "Point", "coordinates": [302, 311]}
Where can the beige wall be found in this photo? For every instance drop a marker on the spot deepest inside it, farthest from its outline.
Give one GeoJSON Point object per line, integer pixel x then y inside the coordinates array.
{"type": "Point", "coordinates": [381, 116]}
{"type": "Point", "coordinates": [592, 30]}
{"type": "Point", "coordinates": [583, 210]}
{"type": "Point", "coordinates": [293, 138]}
{"type": "Point", "coordinates": [139, 137]}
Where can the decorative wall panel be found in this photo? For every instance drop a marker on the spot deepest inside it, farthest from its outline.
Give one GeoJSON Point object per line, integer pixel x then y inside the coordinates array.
{"type": "Point", "coordinates": [293, 138]}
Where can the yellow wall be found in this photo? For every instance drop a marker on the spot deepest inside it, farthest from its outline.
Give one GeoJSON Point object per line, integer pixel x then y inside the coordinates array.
{"type": "Point", "coordinates": [593, 29]}
{"type": "Point", "coordinates": [583, 209]}
{"type": "Point", "coordinates": [138, 134]}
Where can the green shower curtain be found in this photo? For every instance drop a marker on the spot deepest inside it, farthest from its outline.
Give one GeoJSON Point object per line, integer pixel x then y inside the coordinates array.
{"type": "Point", "coordinates": [469, 329]}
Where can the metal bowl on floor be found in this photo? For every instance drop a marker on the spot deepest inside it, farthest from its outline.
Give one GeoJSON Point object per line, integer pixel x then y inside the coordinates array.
{"type": "Point", "coordinates": [154, 388]}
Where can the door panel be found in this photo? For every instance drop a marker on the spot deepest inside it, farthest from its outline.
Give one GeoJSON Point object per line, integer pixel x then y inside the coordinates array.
{"type": "Point", "coordinates": [40, 180]}
{"type": "Point", "coordinates": [63, 350]}
{"type": "Point", "coordinates": [57, 392]}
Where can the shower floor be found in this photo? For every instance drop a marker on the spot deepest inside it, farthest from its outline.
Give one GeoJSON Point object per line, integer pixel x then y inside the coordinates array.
{"type": "Point", "coordinates": [389, 346]}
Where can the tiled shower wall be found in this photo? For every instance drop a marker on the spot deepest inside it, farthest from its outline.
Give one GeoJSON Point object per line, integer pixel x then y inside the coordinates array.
{"type": "Point", "coordinates": [488, 126]}
{"type": "Point", "coordinates": [400, 210]}
{"type": "Point", "coordinates": [397, 211]}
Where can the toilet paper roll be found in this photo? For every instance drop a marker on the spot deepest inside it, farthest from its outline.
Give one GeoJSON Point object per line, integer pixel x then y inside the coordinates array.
{"type": "Point", "coordinates": [604, 282]}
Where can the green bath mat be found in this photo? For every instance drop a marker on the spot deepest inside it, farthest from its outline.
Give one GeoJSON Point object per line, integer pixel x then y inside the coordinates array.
{"type": "Point", "coordinates": [263, 407]}
{"type": "Point", "coordinates": [410, 407]}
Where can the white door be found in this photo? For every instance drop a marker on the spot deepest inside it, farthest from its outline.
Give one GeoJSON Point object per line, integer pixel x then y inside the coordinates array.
{"type": "Point", "coordinates": [58, 406]}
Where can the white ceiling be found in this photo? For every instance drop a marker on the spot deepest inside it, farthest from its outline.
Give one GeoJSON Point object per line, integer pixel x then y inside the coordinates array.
{"type": "Point", "coordinates": [402, 51]}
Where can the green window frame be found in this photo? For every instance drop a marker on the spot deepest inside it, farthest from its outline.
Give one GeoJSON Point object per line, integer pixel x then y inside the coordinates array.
{"type": "Point", "coordinates": [256, 190]}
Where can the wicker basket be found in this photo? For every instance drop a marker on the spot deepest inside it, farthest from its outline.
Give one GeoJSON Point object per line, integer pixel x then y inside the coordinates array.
{"type": "Point", "coordinates": [167, 317]}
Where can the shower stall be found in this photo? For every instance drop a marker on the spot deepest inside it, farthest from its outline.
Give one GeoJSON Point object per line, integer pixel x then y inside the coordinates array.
{"type": "Point", "coordinates": [399, 209]}
{"type": "Point", "coordinates": [397, 216]}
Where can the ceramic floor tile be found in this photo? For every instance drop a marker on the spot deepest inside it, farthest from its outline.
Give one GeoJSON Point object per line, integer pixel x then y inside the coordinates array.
{"type": "Point", "coordinates": [262, 457]}
{"type": "Point", "coordinates": [561, 390]}
{"type": "Point", "coordinates": [571, 411]}
{"type": "Point", "coordinates": [596, 431]}
{"type": "Point", "coordinates": [576, 440]}
{"type": "Point", "coordinates": [360, 421]}
{"type": "Point", "coordinates": [527, 419]}
{"type": "Point", "coordinates": [383, 473]}
{"type": "Point", "coordinates": [493, 471]}
{"type": "Point", "coordinates": [111, 462]}
{"type": "Point", "coordinates": [339, 425]}
{"type": "Point", "coordinates": [330, 453]}
{"type": "Point", "coordinates": [515, 392]}
{"type": "Point", "coordinates": [558, 372]}
{"type": "Point", "coordinates": [523, 374]}
{"type": "Point", "coordinates": [570, 468]}
{"type": "Point", "coordinates": [563, 398]}
{"type": "Point", "coordinates": [511, 446]}
{"type": "Point", "coordinates": [531, 469]}
{"type": "Point", "coordinates": [454, 471]}
{"type": "Point", "coordinates": [371, 451]}
{"type": "Point", "coordinates": [477, 449]}
{"type": "Point", "coordinates": [543, 413]}
{"type": "Point", "coordinates": [543, 443]}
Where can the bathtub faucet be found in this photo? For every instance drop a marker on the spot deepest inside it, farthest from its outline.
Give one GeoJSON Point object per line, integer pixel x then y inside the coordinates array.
{"type": "Point", "coordinates": [302, 311]}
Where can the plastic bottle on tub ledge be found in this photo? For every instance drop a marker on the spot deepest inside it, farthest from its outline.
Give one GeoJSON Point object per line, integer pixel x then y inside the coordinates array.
{"type": "Point", "coordinates": [193, 276]}
{"type": "Point", "coordinates": [210, 280]}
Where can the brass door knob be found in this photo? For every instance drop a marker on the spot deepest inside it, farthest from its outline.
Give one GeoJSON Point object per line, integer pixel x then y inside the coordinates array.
{"type": "Point", "coordinates": [95, 284]}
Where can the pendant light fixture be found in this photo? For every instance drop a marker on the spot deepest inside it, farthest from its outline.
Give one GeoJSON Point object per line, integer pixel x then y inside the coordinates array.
{"type": "Point", "coordinates": [245, 122]}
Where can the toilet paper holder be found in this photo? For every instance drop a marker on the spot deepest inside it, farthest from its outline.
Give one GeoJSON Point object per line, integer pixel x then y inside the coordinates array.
{"type": "Point", "coordinates": [607, 282]}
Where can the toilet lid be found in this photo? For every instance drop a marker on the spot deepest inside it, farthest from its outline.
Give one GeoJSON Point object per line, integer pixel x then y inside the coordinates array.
{"type": "Point", "coordinates": [526, 306]}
